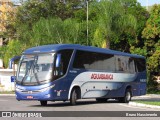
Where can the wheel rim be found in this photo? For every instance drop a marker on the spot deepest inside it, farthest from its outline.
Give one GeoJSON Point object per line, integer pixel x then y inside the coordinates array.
{"type": "Point", "coordinates": [75, 96]}
{"type": "Point", "coordinates": [128, 96]}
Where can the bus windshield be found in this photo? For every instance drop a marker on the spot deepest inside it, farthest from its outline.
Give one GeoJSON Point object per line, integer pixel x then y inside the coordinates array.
{"type": "Point", "coordinates": [35, 69]}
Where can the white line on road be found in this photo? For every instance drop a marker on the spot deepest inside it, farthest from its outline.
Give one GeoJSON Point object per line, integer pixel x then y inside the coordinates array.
{"type": "Point", "coordinates": [149, 109]}
{"type": "Point", "coordinates": [3, 100]}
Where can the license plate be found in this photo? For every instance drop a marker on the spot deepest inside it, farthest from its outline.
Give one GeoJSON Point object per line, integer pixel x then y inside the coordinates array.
{"type": "Point", "coordinates": [29, 97]}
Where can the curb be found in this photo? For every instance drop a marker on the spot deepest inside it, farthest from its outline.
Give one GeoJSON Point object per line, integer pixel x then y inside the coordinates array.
{"type": "Point", "coordinates": [148, 96]}
{"type": "Point", "coordinates": [143, 105]}
{"type": "Point", "coordinates": [7, 95]}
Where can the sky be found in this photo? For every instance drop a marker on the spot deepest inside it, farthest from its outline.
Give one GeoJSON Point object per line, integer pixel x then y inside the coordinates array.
{"type": "Point", "coordinates": [150, 2]}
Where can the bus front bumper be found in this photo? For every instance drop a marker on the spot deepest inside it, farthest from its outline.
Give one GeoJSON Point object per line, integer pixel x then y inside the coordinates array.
{"type": "Point", "coordinates": [43, 94]}
{"type": "Point", "coordinates": [38, 96]}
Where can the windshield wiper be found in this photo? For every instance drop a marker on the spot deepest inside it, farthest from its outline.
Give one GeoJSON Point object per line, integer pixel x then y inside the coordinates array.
{"type": "Point", "coordinates": [28, 73]}
{"type": "Point", "coordinates": [31, 72]}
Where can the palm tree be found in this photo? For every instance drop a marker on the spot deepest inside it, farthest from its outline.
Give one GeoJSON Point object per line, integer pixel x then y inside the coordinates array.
{"type": "Point", "coordinates": [56, 31]}
{"type": "Point", "coordinates": [112, 20]}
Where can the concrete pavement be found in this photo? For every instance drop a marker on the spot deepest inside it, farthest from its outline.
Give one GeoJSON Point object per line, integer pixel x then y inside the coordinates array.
{"type": "Point", "coordinates": [9, 103]}
{"type": "Point", "coordinates": [148, 97]}
{"type": "Point", "coordinates": [7, 95]}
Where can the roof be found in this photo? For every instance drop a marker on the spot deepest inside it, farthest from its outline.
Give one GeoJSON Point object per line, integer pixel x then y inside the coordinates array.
{"type": "Point", "coordinates": [56, 47]}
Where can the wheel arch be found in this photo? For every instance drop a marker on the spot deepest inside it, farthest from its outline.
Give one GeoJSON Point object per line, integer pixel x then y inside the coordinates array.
{"type": "Point", "coordinates": [78, 89]}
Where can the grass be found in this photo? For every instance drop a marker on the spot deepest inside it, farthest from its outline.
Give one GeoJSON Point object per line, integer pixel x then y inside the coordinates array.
{"type": "Point", "coordinates": [153, 92]}
{"type": "Point", "coordinates": [7, 92]}
{"type": "Point", "coordinates": [157, 103]}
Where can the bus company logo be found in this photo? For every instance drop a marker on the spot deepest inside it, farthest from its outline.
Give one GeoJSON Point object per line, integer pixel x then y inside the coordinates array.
{"type": "Point", "coordinates": [30, 92]}
{"type": "Point", "coordinates": [102, 76]}
{"type": "Point", "coordinates": [6, 114]}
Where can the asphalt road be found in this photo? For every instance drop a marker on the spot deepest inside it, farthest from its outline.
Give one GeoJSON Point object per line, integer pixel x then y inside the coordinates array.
{"type": "Point", "coordinates": [9, 103]}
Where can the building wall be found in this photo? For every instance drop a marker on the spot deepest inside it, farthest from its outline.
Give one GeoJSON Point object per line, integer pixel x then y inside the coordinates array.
{"type": "Point", "coordinates": [6, 84]}
{"type": "Point", "coordinates": [6, 10]}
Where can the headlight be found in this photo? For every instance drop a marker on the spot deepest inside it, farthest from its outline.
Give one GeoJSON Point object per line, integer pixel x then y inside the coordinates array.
{"type": "Point", "coordinates": [18, 90]}
{"type": "Point", "coordinates": [47, 88]}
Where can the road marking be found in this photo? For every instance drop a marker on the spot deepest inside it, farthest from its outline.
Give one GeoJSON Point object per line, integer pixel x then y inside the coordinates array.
{"type": "Point", "coordinates": [143, 108]}
{"type": "Point", "coordinates": [3, 100]}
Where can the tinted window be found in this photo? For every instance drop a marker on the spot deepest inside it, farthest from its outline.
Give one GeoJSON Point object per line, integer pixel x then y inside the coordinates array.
{"type": "Point", "coordinates": [140, 64]}
{"type": "Point", "coordinates": [64, 62]}
{"type": "Point", "coordinates": [107, 62]}
{"type": "Point", "coordinates": [94, 61]}
{"type": "Point", "coordinates": [125, 64]}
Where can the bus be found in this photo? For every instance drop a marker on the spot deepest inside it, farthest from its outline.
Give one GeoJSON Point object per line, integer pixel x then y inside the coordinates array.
{"type": "Point", "coordinates": [68, 72]}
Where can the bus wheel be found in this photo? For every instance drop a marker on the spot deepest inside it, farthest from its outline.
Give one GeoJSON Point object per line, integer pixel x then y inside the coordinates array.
{"type": "Point", "coordinates": [73, 97]}
{"type": "Point", "coordinates": [43, 103]}
{"type": "Point", "coordinates": [127, 97]}
{"type": "Point", "coordinates": [101, 100]}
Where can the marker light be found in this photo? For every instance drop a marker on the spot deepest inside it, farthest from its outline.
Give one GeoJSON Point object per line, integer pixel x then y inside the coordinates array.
{"type": "Point", "coordinates": [47, 88]}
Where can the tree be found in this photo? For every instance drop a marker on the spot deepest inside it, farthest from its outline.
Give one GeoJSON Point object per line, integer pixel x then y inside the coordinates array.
{"type": "Point", "coordinates": [112, 20]}
{"type": "Point", "coordinates": [29, 13]}
{"type": "Point", "coordinates": [12, 50]}
{"type": "Point", "coordinates": [55, 31]}
{"type": "Point", "coordinates": [32, 11]}
{"type": "Point", "coordinates": [151, 33]}
{"type": "Point", "coordinates": [135, 40]}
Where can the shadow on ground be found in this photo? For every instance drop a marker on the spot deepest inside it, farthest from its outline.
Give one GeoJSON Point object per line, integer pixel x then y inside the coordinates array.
{"type": "Point", "coordinates": [79, 103]}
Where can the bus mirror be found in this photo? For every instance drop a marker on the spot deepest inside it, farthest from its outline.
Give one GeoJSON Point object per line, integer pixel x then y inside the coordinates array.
{"type": "Point", "coordinates": [58, 60]}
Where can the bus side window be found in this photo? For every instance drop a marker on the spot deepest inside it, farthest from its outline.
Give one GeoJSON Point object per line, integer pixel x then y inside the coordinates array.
{"type": "Point", "coordinates": [58, 65]}
{"type": "Point", "coordinates": [121, 65]}
{"type": "Point", "coordinates": [120, 68]}
{"type": "Point", "coordinates": [94, 61]}
{"type": "Point", "coordinates": [140, 64]}
{"type": "Point", "coordinates": [125, 64]}
{"type": "Point", "coordinates": [131, 65]}
{"type": "Point", "coordinates": [62, 62]}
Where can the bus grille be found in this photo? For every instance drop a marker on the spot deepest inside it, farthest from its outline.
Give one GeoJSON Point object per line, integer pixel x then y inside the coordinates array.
{"type": "Point", "coordinates": [30, 92]}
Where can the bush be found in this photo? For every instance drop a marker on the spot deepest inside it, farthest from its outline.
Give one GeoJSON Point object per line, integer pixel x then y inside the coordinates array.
{"type": "Point", "coordinates": [14, 48]}
{"type": "Point", "coordinates": [152, 85]}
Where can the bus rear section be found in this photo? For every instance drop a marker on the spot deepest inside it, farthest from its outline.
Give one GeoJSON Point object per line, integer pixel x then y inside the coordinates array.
{"type": "Point", "coordinates": [109, 75]}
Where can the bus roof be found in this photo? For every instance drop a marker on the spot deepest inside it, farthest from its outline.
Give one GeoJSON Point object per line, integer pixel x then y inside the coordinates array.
{"type": "Point", "coordinates": [57, 47]}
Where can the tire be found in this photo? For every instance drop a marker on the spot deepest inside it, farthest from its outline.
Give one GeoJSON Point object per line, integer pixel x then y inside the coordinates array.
{"type": "Point", "coordinates": [101, 100]}
{"type": "Point", "coordinates": [127, 97]}
{"type": "Point", "coordinates": [73, 97]}
{"type": "Point", "coordinates": [43, 103]}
